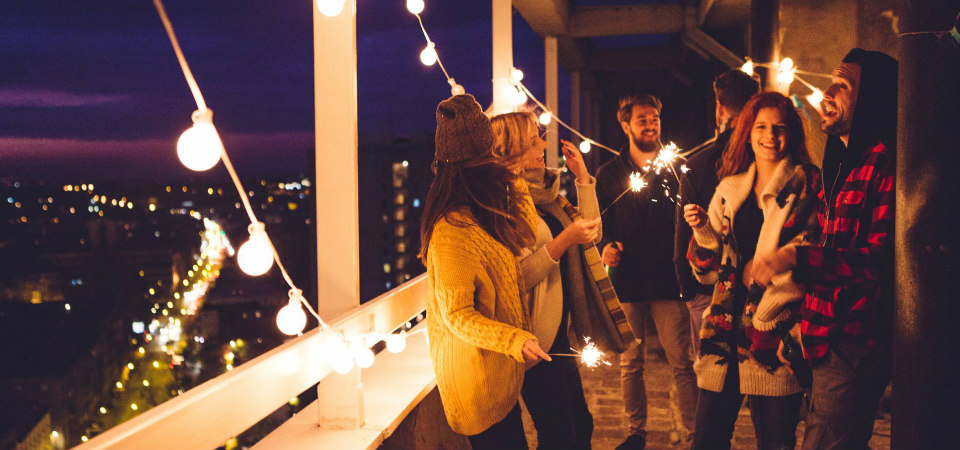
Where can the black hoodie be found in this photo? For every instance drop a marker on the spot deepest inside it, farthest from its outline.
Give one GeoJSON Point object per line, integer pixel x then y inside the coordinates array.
{"type": "Point", "coordinates": [874, 118]}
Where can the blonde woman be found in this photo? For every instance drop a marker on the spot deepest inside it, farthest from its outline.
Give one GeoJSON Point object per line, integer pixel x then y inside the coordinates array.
{"type": "Point", "coordinates": [552, 391]}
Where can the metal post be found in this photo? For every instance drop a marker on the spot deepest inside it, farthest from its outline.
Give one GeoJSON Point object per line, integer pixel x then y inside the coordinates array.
{"type": "Point", "coordinates": [926, 365]}
{"type": "Point", "coordinates": [550, 70]}
{"type": "Point", "coordinates": [502, 55]}
{"type": "Point", "coordinates": [336, 190]}
{"type": "Point", "coordinates": [765, 38]}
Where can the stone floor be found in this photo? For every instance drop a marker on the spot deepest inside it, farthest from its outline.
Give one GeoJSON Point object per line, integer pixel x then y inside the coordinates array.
{"type": "Point", "coordinates": [602, 390]}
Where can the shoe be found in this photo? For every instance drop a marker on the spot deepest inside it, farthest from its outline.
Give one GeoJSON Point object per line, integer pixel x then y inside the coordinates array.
{"type": "Point", "coordinates": [633, 442]}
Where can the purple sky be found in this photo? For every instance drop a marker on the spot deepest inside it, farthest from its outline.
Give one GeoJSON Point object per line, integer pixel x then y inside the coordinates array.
{"type": "Point", "coordinates": [91, 89]}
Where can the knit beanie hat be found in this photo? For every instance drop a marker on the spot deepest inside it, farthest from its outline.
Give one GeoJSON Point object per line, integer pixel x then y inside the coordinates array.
{"type": "Point", "coordinates": [463, 130]}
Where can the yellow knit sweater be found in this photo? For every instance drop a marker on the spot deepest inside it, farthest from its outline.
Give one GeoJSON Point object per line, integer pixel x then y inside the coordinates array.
{"type": "Point", "coordinates": [477, 321]}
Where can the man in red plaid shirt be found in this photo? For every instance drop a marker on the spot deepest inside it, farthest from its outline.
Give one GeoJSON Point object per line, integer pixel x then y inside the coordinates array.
{"type": "Point", "coordinates": [846, 315]}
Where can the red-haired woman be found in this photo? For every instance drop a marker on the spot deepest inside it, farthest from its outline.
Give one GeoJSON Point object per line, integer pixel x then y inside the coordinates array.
{"type": "Point", "coordinates": [767, 198]}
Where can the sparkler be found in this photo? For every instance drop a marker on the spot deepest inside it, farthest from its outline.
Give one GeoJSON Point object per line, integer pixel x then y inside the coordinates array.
{"type": "Point", "coordinates": [590, 356]}
{"type": "Point", "coordinates": [666, 159]}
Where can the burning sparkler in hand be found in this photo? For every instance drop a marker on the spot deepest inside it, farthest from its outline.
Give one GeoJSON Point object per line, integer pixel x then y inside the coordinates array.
{"type": "Point", "coordinates": [590, 356]}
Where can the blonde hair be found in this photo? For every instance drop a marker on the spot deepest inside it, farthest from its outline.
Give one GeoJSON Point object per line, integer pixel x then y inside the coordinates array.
{"type": "Point", "coordinates": [512, 135]}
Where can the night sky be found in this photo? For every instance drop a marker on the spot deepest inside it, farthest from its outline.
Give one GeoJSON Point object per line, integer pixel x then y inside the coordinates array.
{"type": "Point", "coordinates": [91, 89]}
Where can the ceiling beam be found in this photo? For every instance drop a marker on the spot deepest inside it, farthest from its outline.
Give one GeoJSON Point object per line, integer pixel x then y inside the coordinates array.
{"type": "Point", "coordinates": [704, 10]}
{"type": "Point", "coordinates": [700, 42]}
{"type": "Point", "coordinates": [546, 17]}
{"type": "Point", "coordinates": [591, 21]}
{"type": "Point", "coordinates": [634, 59]}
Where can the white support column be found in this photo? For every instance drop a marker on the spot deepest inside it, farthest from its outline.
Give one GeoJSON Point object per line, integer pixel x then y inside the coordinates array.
{"type": "Point", "coordinates": [502, 55]}
{"type": "Point", "coordinates": [551, 86]}
{"type": "Point", "coordinates": [336, 191]}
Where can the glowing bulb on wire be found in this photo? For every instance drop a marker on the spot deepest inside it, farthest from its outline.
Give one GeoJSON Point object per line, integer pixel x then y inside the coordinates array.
{"type": "Point", "coordinates": [362, 355]}
{"type": "Point", "coordinates": [429, 55]}
{"type": "Point", "coordinates": [747, 67]}
{"type": "Point", "coordinates": [255, 256]}
{"type": "Point", "coordinates": [455, 89]}
{"type": "Point", "coordinates": [585, 146]}
{"type": "Point", "coordinates": [199, 148]}
{"type": "Point", "coordinates": [335, 349]}
{"type": "Point", "coordinates": [786, 64]}
{"type": "Point", "coordinates": [517, 97]}
{"type": "Point", "coordinates": [815, 98]}
{"type": "Point", "coordinates": [545, 118]}
{"type": "Point", "coordinates": [415, 6]}
{"type": "Point", "coordinates": [291, 319]}
{"type": "Point", "coordinates": [330, 8]}
{"type": "Point", "coordinates": [396, 342]}
{"type": "Point", "coordinates": [516, 74]}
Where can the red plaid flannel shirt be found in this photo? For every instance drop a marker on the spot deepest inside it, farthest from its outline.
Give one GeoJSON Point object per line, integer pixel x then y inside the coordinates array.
{"type": "Point", "coordinates": [846, 275]}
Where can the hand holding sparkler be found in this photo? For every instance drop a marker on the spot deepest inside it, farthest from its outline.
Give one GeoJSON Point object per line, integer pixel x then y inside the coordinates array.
{"type": "Point", "coordinates": [533, 353]}
{"type": "Point", "coordinates": [590, 356]}
{"type": "Point", "coordinates": [695, 215]}
{"type": "Point", "coordinates": [574, 161]}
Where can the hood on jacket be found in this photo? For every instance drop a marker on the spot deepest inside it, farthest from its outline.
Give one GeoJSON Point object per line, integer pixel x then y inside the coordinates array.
{"type": "Point", "coordinates": [874, 117]}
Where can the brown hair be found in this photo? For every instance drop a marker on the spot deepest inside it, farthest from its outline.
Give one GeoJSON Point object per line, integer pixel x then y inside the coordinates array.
{"type": "Point", "coordinates": [625, 110]}
{"type": "Point", "coordinates": [734, 88]}
{"type": "Point", "coordinates": [739, 152]}
{"type": "Point", "coordinates": [484, 186]}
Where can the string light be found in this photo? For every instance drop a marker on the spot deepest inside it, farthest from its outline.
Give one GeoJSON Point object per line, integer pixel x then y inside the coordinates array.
{"type": "Point", "coordinates": [747, 67]}
{"type": "Point", "coordinates": [429, 55]}
{"type": "Point", "coordinates": [330, 8]}
{"type": "Point", "coordinates": [362, 354]}
{"type": "Point", "coordinates": [291, 319]}
{"type": "Point", "coordinates": [415, 6]}
{"type": "Point", "coordinates": [516, 74]}
{"type": "Point", "coordinates": [517, 97]}
{"type": "Point", "coordinates": [585, 146]}
{"type": "Point", "coordinates": [396, 342]}
{"type": "Point", "coordinates": [255, 256]}
{"type": "Point", "coordinates": [546, 118]}
{"type": "Point", "coordinates": [199, 148]}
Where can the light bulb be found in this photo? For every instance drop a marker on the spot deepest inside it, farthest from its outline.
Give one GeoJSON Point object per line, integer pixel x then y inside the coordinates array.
{"type": "Point", "coordinates": [585, 147]}
{"type": "Point", "coordinates": [516, 74]}
{"type": "Point", "coordinates": [330, 8]}
{"type": "Point", "coordinates": [517, 97]}
{"type": "Point", "coordinates": [363, 355]}
{"type": "Point", "coordinates": [199, 148]}
{"type": "Point", "coordinates": [415, 6]}
{"type": "Point", "coordinates": [545, 118]}
{"type": "Point", "coordinates": [291, 319]}
{"type": "Point", "coordinates": [747, 67]}
{"type": "Point", "coordinates": [785, 76]}
{"type": "Point", "coordinates": [786, 64]}
{"type": "Point", "coordinates": [255, 256]}
{"type": "Point", "coordinates": [429, 55]}
{"type": "Point", "coordinates": [457, 90]}
{"type": "Point", "coordinates": [396, 342]}
{"type": "Point", "coordinates": [815, 97]}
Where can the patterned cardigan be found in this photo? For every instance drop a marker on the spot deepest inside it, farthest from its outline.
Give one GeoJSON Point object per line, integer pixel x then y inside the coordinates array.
{"type": "Point", "coordinates": [789, 205]}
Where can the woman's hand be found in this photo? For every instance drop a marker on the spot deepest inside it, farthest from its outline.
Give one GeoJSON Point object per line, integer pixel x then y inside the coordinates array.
{"type": "Point", "coordinates": [533, 353]}
{"type": "Point", "coordinates": [580, 231]}
{"type": "Point", "coordinates": [611, 254]}
{"type": "Point", "coordinates": [575, 161]}
{"type": "Point", "coordinates": [767, 265]}
{"type": "Point", "coordinates": [695, 216]}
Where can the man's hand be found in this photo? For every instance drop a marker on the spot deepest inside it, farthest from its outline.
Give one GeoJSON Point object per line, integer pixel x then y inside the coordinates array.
{"type": "Point", "coordinates": [795, 333]}
{"type": "Point", "coordinates": [611, 254]}
{"type": "Point", "coordinates": [765, 266]}
{"type": "Point", "coordinates": [533, 353]}
{"type": "Point", "coordinates": [695, 216]}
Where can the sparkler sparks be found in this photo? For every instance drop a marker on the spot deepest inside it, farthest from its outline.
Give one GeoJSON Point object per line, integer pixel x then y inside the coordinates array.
{"type": "Point", "coordinates": [637, 182]}
{"type": "Point", "coordinates": [590, 356]}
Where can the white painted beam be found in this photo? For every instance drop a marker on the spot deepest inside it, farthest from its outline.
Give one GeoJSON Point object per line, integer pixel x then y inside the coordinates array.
{"type": "Point", "coordinates": [591, 21]}
{"type": "Point", "coordinates": [502, 55]}
{"type": "Point", "coordinates": [336, 185]}
{"type": "Point", "coordinates": [551, 69]}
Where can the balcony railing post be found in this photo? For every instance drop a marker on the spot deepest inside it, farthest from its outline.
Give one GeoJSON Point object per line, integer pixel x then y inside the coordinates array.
{"type": "Point", "coordinates": [502, 55]}
{"type": "Point", "coordinates": [551, 88]}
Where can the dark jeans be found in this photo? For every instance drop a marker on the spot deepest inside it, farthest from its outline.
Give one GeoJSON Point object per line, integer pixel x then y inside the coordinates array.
{"type": "Point", "coordinates": [553, 394]}
{"type": "Point", "coordinates": [847, 386]}
{"type": "Point", "coordinates": [774, 418]}
{"type": "Point", "coordinates": [506, 434]}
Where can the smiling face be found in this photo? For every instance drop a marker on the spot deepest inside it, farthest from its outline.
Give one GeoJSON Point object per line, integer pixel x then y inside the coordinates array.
{"type": "Point", "coordinates": [643, 130]}
{"type": "Point", "coordinates": [535, 148]}
{"type": "Point", "coordinates": [769, 135]}
{"type": "Point", "coordinates": [840, 100]}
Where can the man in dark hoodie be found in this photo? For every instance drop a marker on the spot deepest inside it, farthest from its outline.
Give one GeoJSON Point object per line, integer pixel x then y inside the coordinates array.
{"type": "Point", "coordinates": [846, 315]}
{"type": "Point", "coordinates": [732, 88]}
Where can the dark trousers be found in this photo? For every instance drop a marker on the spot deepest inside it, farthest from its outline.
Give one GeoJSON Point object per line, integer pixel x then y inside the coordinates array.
{"type": "Point", "coordinates": [506, 434]}
{"type": "Point", "coordinates": [847, 386]}
{"type": "Point", "coordinates": [774, 418]}
{"type": "Point", "coordinates": [553, 394]}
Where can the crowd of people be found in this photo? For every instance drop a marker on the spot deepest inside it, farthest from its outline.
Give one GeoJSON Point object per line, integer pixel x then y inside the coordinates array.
{"type": "Point", "coordinates": [768, 277]}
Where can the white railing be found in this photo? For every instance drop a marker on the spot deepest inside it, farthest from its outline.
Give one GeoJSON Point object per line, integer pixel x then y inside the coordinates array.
{"type": "Point", "coordinates": [206, 416]}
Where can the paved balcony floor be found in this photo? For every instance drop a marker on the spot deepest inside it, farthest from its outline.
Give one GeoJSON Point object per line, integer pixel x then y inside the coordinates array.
{"type": "Point", "coordinates": [602, 388]}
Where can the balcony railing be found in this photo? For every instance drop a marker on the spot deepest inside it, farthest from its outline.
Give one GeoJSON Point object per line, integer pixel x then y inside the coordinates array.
{"type": "Point", "coordinates": [208, 415]}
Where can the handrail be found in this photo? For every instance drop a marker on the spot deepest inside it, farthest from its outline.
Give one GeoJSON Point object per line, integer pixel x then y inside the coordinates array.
{"type": "Point", "coordinates": [208, 415]}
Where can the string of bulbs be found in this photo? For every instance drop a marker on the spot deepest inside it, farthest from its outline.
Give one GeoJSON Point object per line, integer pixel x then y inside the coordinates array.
{"type": "Point", "coordinates": [199, 148]}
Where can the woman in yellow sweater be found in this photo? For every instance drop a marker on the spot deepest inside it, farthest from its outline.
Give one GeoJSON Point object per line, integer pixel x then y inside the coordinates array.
{"type": "Point", "coordinates": [476, 220]}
